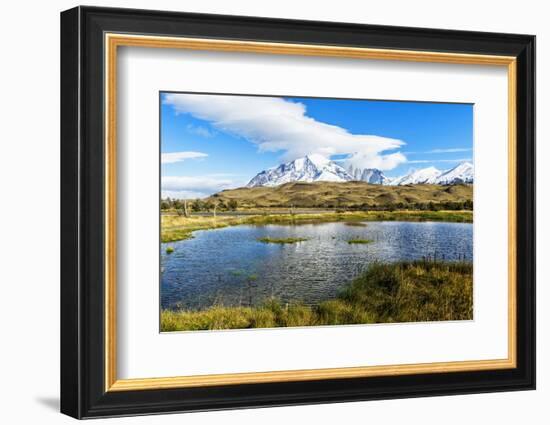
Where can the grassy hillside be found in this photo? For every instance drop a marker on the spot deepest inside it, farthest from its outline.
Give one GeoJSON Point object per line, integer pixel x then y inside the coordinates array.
{"type": "Point", "coordinates": [385, 293]}
{"type": "Point", "coordinates": [339, 195]}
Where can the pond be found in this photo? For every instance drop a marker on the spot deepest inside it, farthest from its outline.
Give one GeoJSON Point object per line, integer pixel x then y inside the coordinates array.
{"type": "Point", "coordinates": [230, 267]}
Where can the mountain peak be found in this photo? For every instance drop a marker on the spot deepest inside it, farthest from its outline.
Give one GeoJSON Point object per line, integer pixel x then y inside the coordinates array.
{"type": "Point", "coordinates": [317, 159]}
{"type": "Point", "coordinates": [423, 176]}
{"type": "Point", "coordinates": [309, 168]}
{"type": "Point", "coordinates": [316, 167]}
{"type": "Point", "coordinates": [369, 175]}
{"type": "Point", "coordinates": [466, 165]}
{"type": "Point", "coordinates": [461, 173]}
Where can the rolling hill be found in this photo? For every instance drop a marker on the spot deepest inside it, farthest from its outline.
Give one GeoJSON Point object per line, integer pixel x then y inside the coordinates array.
{"type": "Point", "coordinates": [351, 194]}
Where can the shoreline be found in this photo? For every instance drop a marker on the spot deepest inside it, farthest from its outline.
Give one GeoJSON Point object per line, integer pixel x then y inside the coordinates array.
{"type": "Point", "coordinates": [176, 228]}
{"type": "Point", "coordinates": [413, 291]}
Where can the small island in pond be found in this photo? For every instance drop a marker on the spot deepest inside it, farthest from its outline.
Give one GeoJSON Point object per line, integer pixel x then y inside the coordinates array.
{"type": "Point", "coordinates": [323, 238]}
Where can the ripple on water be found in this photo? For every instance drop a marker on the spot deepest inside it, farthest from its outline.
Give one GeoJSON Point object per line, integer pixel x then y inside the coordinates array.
{"type": "Point", "coordinates": [230, 266]}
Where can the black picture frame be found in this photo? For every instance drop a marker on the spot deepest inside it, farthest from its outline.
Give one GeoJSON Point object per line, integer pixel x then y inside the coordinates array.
{"type": "Point", "coordinates": [83, 392]}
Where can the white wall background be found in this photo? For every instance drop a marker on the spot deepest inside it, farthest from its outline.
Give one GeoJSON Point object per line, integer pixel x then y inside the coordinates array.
{"type": "Point", "coordinates": [29, 237]}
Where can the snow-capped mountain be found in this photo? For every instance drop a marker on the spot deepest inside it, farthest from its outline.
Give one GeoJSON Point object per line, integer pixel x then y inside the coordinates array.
{"type": "Point", "coordinates": [310, 168]}
{"type": "Point", "coordinates": [424, 176]}
{"type": "Point", "coordinates": [313, 168]}
{"type": "Point", "coordinates": [462, 173]}
{"type": "Point", "coordinates": [369, 175]}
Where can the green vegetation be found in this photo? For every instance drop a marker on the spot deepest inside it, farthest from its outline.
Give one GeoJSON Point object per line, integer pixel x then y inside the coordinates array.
{"type": "Point", "coordinates": [301, 203]}
{"type": "Point", "coordinates": [174, 235]}
{"type": "Point", "coordinates": [281, 240]}
{"type": "Point", "coordinates": [175, 227]}
{"type": "Point", "coordinates": [360, 241]}
{"type": "Point", "coordinates": [385, 293]}
{"type": "Point", "coordinates": [170, 250]}
{"type": "Point", "coordinates": [198, 205]}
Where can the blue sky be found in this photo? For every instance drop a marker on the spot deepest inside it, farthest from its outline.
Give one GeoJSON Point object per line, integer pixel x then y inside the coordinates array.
{"type": "Point", "coordinates": [214, 142]}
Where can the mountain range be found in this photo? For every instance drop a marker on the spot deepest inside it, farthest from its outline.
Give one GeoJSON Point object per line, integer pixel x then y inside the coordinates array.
{"type": "Point", "coordinates": [315, 168]}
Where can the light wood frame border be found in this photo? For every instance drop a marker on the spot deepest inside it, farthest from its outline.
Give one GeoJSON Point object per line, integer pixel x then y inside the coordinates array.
{"type": "Point", "coordinates": [113, 41]}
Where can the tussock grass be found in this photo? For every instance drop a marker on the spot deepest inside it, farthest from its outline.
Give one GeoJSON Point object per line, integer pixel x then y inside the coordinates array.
{"type": "Point", "coordinates": [414, 291]}
{"type": "Point", "coordinates": [169, 250]}
{"type": "Point", "coordinates": [281, 240]}
{"type": "Point", "coordinates": [385, 293]}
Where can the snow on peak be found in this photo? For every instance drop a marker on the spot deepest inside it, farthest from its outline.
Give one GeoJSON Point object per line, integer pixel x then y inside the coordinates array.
{"type": "Point", "coordinates": [369, 175]}
{"type": "Point", "coordinates": [462, 173]}
{"type": "Point", "coordinates": [424, 176]}
{"type": "Point", "coordinates": [318, 160]}
{"type": "Point", "coordinates": [310, 168]}
{"type": "Point", "coordinates": [315, 167]}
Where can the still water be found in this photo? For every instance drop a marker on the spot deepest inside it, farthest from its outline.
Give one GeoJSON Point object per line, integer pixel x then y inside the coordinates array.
{"type": "Point", "coordinates": [229, 266]}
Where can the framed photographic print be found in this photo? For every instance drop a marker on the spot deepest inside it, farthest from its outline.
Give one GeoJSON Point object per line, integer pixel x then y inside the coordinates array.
{"type": "Point", "coordinates": [261, 212]}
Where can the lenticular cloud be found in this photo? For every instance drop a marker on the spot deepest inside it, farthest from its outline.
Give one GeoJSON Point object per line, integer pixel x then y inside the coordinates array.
{"type": "Point", "coordinates": [279, 125]}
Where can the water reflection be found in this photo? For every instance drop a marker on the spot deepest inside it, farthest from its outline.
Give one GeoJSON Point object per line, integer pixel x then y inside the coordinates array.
{"type": "Point", "coordinates": [229, 266]}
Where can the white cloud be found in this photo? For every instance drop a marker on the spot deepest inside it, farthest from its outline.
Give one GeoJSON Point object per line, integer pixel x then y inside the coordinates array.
{"type": "Point", "coordinates": [203, 184]}
{"type": "Point", "coordinates": [278, 125]}
{"type": "Point", "coordinates": [382, 162]}
{"type": "Point", "coordinates": [200, 130]}
{"type": "Point", "coordinates": [450, 150]}
{"type": "Point", "coordinates": [424, 161]}
{"type": "Point", "coordinates": [171, 157]}
{"type": "Point", "coordinates": [183, 194]}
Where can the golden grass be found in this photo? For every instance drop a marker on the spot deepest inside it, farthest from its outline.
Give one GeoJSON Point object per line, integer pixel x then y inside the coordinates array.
{"type": "Point", "coordinates": [385, 293]}
{"type": "Point", "coordinates": [342, 194]}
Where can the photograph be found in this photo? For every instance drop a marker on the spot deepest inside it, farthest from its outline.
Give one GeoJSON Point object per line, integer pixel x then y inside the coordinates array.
{"type": "Point", "coordinates": [280, 211]}
{"type": "Point", "coordinates": [285, 210]}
